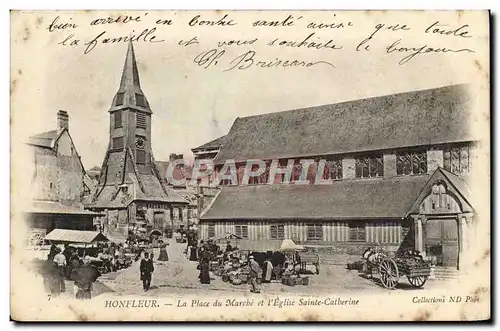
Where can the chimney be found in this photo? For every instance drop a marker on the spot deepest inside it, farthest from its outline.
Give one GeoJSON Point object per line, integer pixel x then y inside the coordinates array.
{"type": "Point", "coordinates": [62, 120]}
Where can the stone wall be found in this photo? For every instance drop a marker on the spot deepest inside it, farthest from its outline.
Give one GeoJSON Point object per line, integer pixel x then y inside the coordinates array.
{"type": "Point", "coordinates": [58, 173]}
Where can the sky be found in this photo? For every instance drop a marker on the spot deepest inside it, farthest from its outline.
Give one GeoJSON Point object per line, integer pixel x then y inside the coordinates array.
{"type": "Point", "coordinates": [192, 105]}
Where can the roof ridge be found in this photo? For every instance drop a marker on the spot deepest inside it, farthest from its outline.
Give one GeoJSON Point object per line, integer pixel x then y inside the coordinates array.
{"type": "Point", "coordinates": [354, 100]}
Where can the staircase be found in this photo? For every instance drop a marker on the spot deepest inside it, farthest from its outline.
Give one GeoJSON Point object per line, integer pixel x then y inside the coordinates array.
{"type": "Point", "coordinates": [446, 273]}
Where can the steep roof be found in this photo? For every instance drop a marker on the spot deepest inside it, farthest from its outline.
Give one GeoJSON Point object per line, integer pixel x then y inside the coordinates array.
{"type": "Point", "coordinates": [379, 198]}
{"type": "Point", "coordinates": [460, 184]}
{"type": "Point", "coordinates": [44, 139]}
{"type": "Point", "coordinates": [216, 143]}
{"type": "Point", "coordinates": [130, 93]}
{"type": "Point", "coordinates": [439, 115]}
{"type": "Point", "coordinates": [458, 188]}
{"type": "Point", "coordinates": [140, 186]}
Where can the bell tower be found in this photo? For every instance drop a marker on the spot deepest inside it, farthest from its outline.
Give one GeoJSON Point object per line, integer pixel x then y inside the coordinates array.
{"type": "Point", "coordinates": [130, 117]}
{"type": "Point", "coordinates": [131, 187]}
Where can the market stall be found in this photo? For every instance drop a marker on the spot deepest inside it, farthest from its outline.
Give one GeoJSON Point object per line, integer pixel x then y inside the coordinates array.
{"type": "Point", "coordinates": [87, 243]}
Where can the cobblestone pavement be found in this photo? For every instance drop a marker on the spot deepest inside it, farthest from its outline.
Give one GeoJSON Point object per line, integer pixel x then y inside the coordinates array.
{"type": "Point", "coordinates": [179, 276]}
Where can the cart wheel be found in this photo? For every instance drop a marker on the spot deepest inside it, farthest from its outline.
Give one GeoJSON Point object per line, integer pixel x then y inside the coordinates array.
{"type": "Point", "coordinates": [389, 273]}
{"type": "Point", "coordinates": [36, 240]}
{"type": "Point", "coordinates": [417, 281]}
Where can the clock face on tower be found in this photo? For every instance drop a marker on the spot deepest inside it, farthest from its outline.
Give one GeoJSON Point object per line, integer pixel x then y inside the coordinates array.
{"type": "Point", "coordinates": [139, 142]}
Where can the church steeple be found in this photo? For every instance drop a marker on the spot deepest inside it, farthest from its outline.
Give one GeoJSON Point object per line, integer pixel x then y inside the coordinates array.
{"type": "Point", "coordinates": [130, 94]}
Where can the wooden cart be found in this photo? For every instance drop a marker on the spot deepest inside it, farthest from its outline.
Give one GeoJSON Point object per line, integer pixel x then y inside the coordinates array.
{"type": "Point", "coordinates": [414, 268]}
{"type": "Point", "coordinates": [390, 270]}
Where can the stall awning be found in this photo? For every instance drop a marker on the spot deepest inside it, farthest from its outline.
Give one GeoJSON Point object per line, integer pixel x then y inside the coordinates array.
{"type": "Point", "coordinates": [290, 245]}
{"type": "Point", "coordinates": [75, 236]}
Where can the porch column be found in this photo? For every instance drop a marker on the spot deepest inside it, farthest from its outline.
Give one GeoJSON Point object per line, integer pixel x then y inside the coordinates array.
{"type": "Point", "coordinates": [417, 221]}
{"type": "Point", "coordinates": [463, 235]}
{"type": "Point", "coordinates": [466, 238]}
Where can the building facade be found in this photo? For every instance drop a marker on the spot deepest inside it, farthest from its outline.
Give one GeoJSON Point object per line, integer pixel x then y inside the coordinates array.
{"type": "Point", "coordinates": [59, 184]}
{"type": "Point", "coordinates": [181, 184]}
{"type": "Point", "coordinates": [384, 159]}
{"type": "Point", "coordinates": [131, 190]}
{"type": "Point", "coordinates": [206, 187]}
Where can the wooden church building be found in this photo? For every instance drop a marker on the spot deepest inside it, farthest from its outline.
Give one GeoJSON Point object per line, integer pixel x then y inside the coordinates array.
{"type": "Point", "coordinates": [398, 166]}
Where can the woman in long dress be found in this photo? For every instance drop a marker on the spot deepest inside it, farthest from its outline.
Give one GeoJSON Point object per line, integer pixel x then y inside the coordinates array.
{"type": "Point", "coordinates": [163, 253]}
{"type": "Point", "coordinates": [205, 267]}
{"type": "Point", "coordinates": [193, 255]}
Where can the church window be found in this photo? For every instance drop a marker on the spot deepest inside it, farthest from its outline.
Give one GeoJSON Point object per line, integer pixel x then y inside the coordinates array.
{"type": "Point", "coordinates": [369, 166]}
{"type": "Point", "coordinates": [261, 179]}
{"type": "Point", "coordinates": [140, 156]}
{"type": "Point", "coordinates": [456, 159]}
{"type": "Point", "coordinates": [408, 163]}
{"type": "Point", "coordinates": [119, 99]}
{"type": "Point", "coordinates": [118, 119]}
{"type": "Point", "coordinates": [141, 120]}
{"type": "Point", "coordinates": [139, 100]}
{"type": "Point", "coordinates": [333, 169]}
{"type": "Point", "coordinates": [117, 142]}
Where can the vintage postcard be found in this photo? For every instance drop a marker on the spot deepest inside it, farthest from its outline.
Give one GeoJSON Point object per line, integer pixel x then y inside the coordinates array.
{"type": "Point", "coordinates": [250, 166]}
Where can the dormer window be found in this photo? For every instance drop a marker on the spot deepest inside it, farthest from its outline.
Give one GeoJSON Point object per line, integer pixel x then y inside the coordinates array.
{"type": "Point", "coordinates": [119, 99]}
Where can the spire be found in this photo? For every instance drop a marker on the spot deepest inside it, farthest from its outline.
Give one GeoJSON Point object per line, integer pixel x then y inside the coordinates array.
{"type": "Point", "coordinates": [130, 94]}
{"type": "Point", "coordinates": [130, 74]}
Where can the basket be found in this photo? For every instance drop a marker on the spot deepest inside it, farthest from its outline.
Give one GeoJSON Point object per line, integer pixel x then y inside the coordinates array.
{"type": "Point", "coordinates": [305, 281]}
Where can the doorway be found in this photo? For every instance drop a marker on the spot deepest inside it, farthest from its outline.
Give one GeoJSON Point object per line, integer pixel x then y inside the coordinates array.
{"type": "Point", "coordinates": [442, 241]}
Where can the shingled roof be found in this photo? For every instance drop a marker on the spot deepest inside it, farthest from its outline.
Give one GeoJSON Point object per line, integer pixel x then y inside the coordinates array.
{"type": "Point", "coordinates": [381, 198]}
{"type": "Point", "coordinates": [439, 115]}
{"type": "Point", "coordinates": [44, 139]}
{"type": "Point", "coordinates": [216, 143]}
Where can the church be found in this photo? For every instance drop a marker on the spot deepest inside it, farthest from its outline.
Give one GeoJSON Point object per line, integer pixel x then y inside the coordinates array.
{"type": "Point", "coordinates": [397, 165]}
{"type": "Point", "coordinates": [131, 191]}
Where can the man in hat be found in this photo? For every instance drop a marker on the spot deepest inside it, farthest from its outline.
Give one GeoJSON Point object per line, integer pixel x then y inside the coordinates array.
{"type": "Point", "coordinates": [255, 274]}
{"type": "Point", "coordinates": [84, 277]}
{"type": "Point", "coordinates": [146, 269]}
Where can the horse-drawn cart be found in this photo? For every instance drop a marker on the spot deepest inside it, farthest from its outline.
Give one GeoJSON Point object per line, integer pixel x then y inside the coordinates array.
{"type": "Point", "coordinates": [390, 270]}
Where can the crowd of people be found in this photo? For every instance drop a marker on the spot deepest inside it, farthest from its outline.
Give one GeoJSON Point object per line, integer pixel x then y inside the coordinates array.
{"type": "Point", "coordinates": [62, 264]}
{"type": "Point", "coordinates": [68, 264]}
